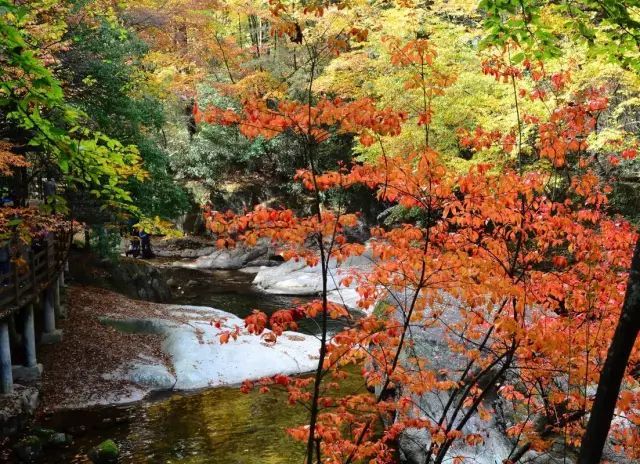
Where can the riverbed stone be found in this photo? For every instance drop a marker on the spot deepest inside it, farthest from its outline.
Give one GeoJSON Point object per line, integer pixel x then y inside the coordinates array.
{"type": "Point", "coordinates": [429, 342]}
{"type": "Point", "coordinates": [197, 357]}
{"type": "Point", "coordinates": [296, 278]}
{"type": "Point", "coordinates": [232, 258]}
{"type": "Point", "coordinates": [43, 433]}
{"type": "Point", "coordinates": [49, 437]}
{"type": "Point", "coordinates": [17, 409]}
{"type": "Point", "coordinates": [28, 449]}
{"type": "Point", "coordinates": [183, 247]}
{"type": "Point", "coordinates": [200, 360]}
{"type": "Point", "coordinates": [135, 278]}
{"type": "Point", "coordinates": [60, 439]}
{"type": "Point", "coordinates": [155, 376]}
{"type": "Point", "coordinates": [106, 452]}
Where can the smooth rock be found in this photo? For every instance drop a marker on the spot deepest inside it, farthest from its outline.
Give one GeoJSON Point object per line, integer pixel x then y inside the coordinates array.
{"type": "Point", "coordinates": [106, 452]}
{"type": "Point", "coordinates": [429, 342]}
{"type": "Point", "coordinates": [200, 360]}
{"type": "Point", "coordinates": [155, 376]}
{"type": "Point", "coordinates": [43, 433]}
{"type": "Point", "coordinates": [233, 258]}
{"type": "Point", "coordinates": [296, 278]}
{"type": "Point", "coordinates": [60, 439]}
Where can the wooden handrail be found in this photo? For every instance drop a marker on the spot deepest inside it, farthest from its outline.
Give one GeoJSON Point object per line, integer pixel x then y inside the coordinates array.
{"type": "Point", "coordinates": [21, 285]}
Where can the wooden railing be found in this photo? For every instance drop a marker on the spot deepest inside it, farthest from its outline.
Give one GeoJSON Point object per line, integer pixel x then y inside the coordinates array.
{"type": "Point", "coordinates": [32, 271]}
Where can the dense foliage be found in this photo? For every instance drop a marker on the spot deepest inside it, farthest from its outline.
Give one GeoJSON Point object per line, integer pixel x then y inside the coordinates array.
{"type": "Point", "coordinates": [485, 155]}
{"type": "Point", "coordinates": [519, 263]}
{"type": "Point", "coordinates": [76, 107]}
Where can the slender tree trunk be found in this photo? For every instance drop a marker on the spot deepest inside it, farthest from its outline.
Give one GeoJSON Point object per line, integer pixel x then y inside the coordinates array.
{"type": "Point", "coordinates": [224, 59]}
{"type": "Point", "coordinates": [259, 33]}
{"type": "Point", "coordinates": [254, 34]}
{"type": "Point", "coordinates": [614, 368]}
{"type": "Point", "coordinates": [313, 443]}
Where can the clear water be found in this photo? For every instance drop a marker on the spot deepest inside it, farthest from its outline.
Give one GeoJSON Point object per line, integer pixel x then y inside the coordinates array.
{"type": "Point", "coordinates": [232, 291]}
{"type": "Point", "coordinates": [214, 426]}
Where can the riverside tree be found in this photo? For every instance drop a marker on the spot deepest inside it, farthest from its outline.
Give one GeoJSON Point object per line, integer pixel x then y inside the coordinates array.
{"type": "Point", "coordinates": [518, 265]}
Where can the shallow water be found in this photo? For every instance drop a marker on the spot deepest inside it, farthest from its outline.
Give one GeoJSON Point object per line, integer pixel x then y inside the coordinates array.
{"type": "Point", "coordinates": [233, 292]}
{"type": "Point", "coordinates": [214, 426]}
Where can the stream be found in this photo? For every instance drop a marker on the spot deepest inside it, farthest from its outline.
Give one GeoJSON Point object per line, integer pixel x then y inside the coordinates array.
{"type": "Point", "coordinates": [219, 425]}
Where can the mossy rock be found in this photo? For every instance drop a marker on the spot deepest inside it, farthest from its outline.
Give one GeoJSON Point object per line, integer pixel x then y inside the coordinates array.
{"type": "Point", "coordinates": [43, 433]}
{"type": "Point", "coordinates": [49, 437]}
{"type": "Point", "coordinates": [106, 452]}
{"type": "Point", "coordinates": [28, 449]}
{"type": "Point", "coordinates": [60, 439]}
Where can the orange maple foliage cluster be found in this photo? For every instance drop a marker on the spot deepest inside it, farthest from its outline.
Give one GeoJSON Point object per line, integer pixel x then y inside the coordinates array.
{"type": "Point", "coordinates": [523, 285]}
{"type": "Point", "coordinates": [258, 119]}
{"type": "Point", "coordinates": [534, 281]}
{"type": "Point", "coordinates": [9, 160]}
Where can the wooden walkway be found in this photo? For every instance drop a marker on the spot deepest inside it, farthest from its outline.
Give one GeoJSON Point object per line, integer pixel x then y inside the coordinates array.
{"type": "Point", "coordinates": [37, 269]}
{"type": "Point", "coordinates": [35, 276]}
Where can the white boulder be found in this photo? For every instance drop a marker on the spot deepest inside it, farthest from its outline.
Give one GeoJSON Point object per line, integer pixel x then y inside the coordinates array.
{"type": "Point", "coordinates": [296, 278]}
{"type": "Point", "coordinates": [232, 258]}
{"type": "Point", "coordinates": [191, 339]}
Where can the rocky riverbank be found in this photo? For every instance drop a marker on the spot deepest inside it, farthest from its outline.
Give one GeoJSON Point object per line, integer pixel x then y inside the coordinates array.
{"type": "Point", "coordinates": [117, 350]}
{"type": "Point", "coordinates": [296, 278]}
{"type": "Point", "coordinates": [201, 253]}
{"type": "Point", "coordinates": [135, 278]}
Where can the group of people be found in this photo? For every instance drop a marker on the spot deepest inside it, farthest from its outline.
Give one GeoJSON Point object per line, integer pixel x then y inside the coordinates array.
{"type": "Point", "coordinates": [139, 244]}
{"type": "Point", "coordinates": [18, 196]}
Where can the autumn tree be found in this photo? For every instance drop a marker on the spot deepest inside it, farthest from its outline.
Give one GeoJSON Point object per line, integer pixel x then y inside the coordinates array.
{"type": "Point", "coordinates": [609, 29]}
{"type": "Point", "coordinates": [519, 271]}
{"type": "Point", "coordinates": [37, 115]}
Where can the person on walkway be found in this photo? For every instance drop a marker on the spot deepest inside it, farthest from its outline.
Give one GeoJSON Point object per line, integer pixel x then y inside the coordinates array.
{"type": "Point", "coordinates": [145, 240]}
{"type": "Point", "coordinates": [134, 244]}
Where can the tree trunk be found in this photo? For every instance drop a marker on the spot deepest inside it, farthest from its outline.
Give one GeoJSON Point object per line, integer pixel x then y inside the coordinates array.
{"type": "Point", "coordinates": [614, 368]}
{"type": "Point", "coordinates": [254, 34]}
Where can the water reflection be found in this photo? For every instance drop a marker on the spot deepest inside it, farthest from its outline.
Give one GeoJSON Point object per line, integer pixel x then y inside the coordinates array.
{"type": "Point", "coordinates": [214, 426]}
{"type": "Point", "coordinates": [233, 292]}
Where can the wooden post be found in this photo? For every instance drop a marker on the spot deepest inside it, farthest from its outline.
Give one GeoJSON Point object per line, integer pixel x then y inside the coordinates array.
{"type": "Point", "coordinates": [56, 297]}
{"type": "Point", "coordinates": [29, 337]}
{"type": "Point", "coordinates": [6, 375]}
{"type": "Point", "coordinates": [14, 335]}
{"type": "Point", "coordinates": [32, 270]}
{"type": "Point", "coordinates": [49, 311]}
{"type": "Point", "coordinates": [51, 255]}
{"type": "Point", "coordinates": [16, 283]}
{"type": "Point", "coordinates": [50, 334]}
